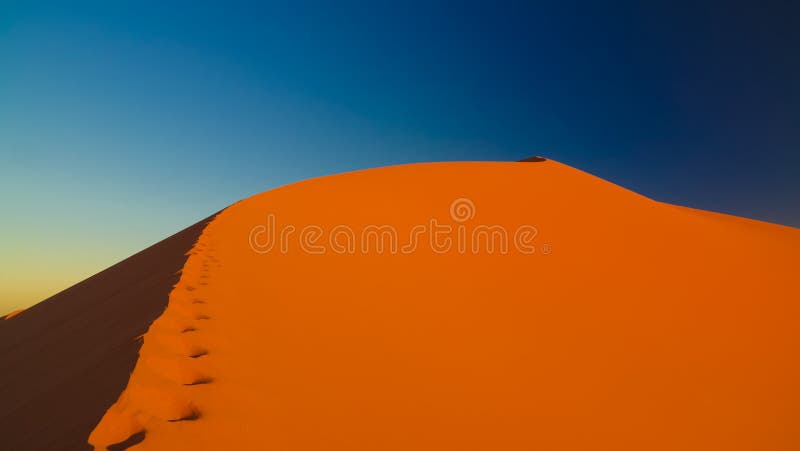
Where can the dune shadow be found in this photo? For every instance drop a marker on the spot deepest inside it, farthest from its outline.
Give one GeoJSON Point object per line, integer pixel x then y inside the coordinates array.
{"type": "Point", "coordinates": [198, 354]}
{"type": "Point", "coordinates": [134, 439]}
{"type": "Point", "coordinates": [201, 381]}
{"type": "Point", "coordinates": [194, 416]}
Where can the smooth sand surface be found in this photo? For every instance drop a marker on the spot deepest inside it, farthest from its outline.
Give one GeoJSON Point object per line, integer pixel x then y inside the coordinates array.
{"type": "Point", "coordinates": [64, 361]}
{"type": "Point", "coordinates": [636, 325]}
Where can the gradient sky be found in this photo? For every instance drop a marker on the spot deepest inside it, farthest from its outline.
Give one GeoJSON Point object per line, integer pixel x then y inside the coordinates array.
{"type": "Point", "coordinates": [121, 123]}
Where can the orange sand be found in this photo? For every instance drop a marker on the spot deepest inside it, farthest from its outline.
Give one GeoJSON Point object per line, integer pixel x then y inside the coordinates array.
{"type": "Point", "coordinates": [14, 313]}
{"type": "Point", "coordinates": [635, 325]}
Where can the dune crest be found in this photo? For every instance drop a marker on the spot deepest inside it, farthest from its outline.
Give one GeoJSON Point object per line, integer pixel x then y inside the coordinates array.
{"type": "Point", "coordinates": [555, 310]}
{"type": "Point", "coordinates": [65, 360]}
{"type": "Point", "coordinates": [170, 364]}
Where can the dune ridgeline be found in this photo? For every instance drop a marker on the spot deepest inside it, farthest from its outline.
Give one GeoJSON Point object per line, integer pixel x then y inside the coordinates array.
{"type": "Point", "coordinates": [462, 306]}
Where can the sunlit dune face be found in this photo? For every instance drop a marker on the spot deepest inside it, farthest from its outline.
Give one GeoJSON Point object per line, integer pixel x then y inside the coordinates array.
{"type": "Point", "coordinates": [471, 306]}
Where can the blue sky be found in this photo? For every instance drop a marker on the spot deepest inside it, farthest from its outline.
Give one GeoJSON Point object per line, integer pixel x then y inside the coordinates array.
{"type": "Point", "coordinates": [122, 122]}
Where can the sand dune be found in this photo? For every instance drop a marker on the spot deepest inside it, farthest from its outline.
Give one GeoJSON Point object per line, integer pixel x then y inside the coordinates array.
{"type": "Point", "coordinates": [606, 321]}
{"type": "Point", "coordinates": [64, 361]}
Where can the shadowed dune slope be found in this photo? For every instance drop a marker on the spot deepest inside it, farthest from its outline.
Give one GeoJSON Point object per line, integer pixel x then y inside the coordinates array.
{"type": "Point", "coordinates": [64, 361]}
{"type": "Point", "coordinates": [633, 325]}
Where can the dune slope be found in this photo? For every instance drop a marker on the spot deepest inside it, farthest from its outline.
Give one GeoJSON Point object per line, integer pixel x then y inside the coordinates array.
{"type": "Point", "coordinates": [64, 361]}
{"type": "Point", "coordinates": [610, 322]}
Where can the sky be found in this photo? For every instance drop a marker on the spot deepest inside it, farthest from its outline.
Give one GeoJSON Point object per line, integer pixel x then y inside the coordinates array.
{"type": "Point", "coordinates": [124, 122]}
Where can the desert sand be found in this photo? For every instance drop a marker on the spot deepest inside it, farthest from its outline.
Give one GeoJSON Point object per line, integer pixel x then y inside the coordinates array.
{"type": "Point", "coordinates": [632, 324]}
{"type": "Point", "coordinates": [65, 360]}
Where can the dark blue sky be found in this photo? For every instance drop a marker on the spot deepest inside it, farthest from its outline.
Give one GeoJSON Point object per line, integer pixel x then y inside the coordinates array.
{"type": "Point", "coordinates": [123, 122]}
